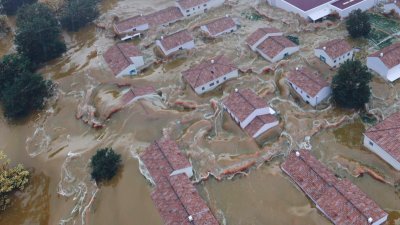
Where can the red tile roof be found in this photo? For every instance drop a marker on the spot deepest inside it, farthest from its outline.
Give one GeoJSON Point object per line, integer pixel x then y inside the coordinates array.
{"type": "Point", "coordinates": [258, 122]}
{"type": "Point", "coordinates": [309, 81]}
{"type": "Point", "coordinates": [260, 33]}
{"type": "Point", "coordinates": [177, 39]}
{"type": "Point", "coordinates": [187, 4]}
{"type": "Point", "coordinates": [307, 5]}
{"type": "Point", "coordinates": [335, 48]}
{"type": "Point", "coordinates": [118, 56]}
{"type": "Point", "coordinates": [208, 70]}
{"type": "Point", "coordinates": [243, 102]}
{"type": "Point", "coordinates": [344, 4]}
{"type": "Point", "coordinates": [123, 25]}
{"type": "Point", "coordinates": [272, 46]}
{"type": "Point", "coordinates": [220, 25]}
{"type": "Point", "coordinates": [164, 16]}
{"type": "Point", "coordinates": [137, 92]}
{"type": "Point", "coordinates": [340, 200]}
{"type": "Point", "coordinates": [391, 55]}
{"type": "Point", "coordinates": [386, 134]}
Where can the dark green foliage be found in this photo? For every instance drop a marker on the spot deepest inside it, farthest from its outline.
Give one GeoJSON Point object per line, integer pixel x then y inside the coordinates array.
{"type": "Point", "coordinates": [10, 7]}
{"type": "Point", "coordinates": [105, 164]}
{"type": "Point", "coordinates": [358, 24]}
{"type": "Point", "coordinates": [77, 13]}
{"type": "Point", "coordinates": [21, 91]}
{"type": "Point", "coordinates": [38, 33]}
{"type": "Point", "coordinates": [350, 86]}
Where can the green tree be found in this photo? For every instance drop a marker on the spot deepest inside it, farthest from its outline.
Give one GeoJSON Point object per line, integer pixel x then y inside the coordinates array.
{"type": "Point", "coordinates": [77, 13]}
{"type": "Point", "coordinates": [10, 7]}
{"type": "Point", "coordinates": [38, 33]}
{"type": "Point", "coordinates": [350, 86]}
{"type": "Point", "coordinates": [11, 179]}
{"type": "Point", "coordinates": [11, 67]}
{"type": "Point", "coordinates": [358, 24]}
{"type": "Point", "coordinates": [105, 164]}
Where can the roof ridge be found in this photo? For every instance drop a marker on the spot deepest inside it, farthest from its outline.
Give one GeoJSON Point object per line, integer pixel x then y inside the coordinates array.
{"type": "Point", "coordinates": [162, 152]}
{"type": "Point", "coordinates": [248, 101]}
{"type": "Point", "coordinates": [128, 60]}
{"type": "Point", "coordinates": [377, 130]}
{"type": "Point", "coordinates": [311, 78]}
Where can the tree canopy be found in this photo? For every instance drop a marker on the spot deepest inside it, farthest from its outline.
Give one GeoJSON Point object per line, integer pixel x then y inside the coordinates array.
{"type": "Point", "coordinates": [11, 179]}
{"type": "Point", "coordinates": [77, 13]}
{"type": "Point", "coordinates": [10, 7]}
{"type": "Point", "coordinates": [350, 86]}
{"type": "Point", "coordinates": [21, 90]}
{"type": "Point", "coordinates": [358, 24]}
{"type": "Point", "coordinates": [38, 33]}
{"type": "Point", "coordinates": [105, 164]}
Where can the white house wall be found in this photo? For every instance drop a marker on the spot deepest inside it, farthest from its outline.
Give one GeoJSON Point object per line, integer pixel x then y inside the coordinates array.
{"type": "Point", "coordinates": [381, 153]}
{"type": "Point", "coordinates": [188, 171]}
{"type": "Point", "coordinates": [217, 82]}
{"type": "Point", "coordinates": [253, 115]}
{"type": "Point", "coordinates": [288, 51]}
{"type": "Point", "coordinates": [201, 8]}
{"type": "Point", "coordinates": [321, 95]}
{"type": "Point", "coordinates": [187, 45]}
{"type": "Point", "coordinates": [142, 27]}
{"type": "Point", "coordinates": [375, 64]}
{"type": "Point", "coordinates": [394, 73]}
{"type": "Point", "coordinates": [229, 30]}
{"type": "Point", "coordinates": [127, 71]}
{"type": "Point", "coordinates": [254, 47]}
{"type": "Point", "coordinates": [331, 62]}
{"type": "Point", "coordinates": [138, 61]}
{"type": "Point", "coordinates": [265, 127]}
{"type": "Point", "coordinates": [391, 6]}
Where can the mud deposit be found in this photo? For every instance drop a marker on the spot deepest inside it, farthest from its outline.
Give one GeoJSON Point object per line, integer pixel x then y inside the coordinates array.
{"type": "Point", "coordinates": [57, 146]}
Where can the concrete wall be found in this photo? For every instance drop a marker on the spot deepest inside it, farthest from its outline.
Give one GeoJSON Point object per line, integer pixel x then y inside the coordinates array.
{"type": "Point", "coordinates": [318, 98]}
{"type": "Point", "coordinates": [201, 8]}
{"type": "Point", "coordinates": [333, 62]}
{"type": "Point", "coordinates": [264, 128]}
{"type": "Point", "coordinates": [229, 30]}
{"type": "Point", "coordinates": [375, 64]}
{"type": "Point", "coordinates": [215, 83]}
{"type": "Point", "coordinates": [381, 153]}
{"type": "Point", "coordinates": [187, 46]}
{"type": "Point", "coordinates": [289, 51]}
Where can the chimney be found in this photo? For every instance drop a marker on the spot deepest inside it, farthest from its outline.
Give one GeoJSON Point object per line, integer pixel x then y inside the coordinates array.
{"type": "Point", "coordinates": [381, 54]}
{"type": "Point", "coordinates": [226, 15]}
{"type": "Point", "coordinates": [370, 220]}
{"type": "Point", "coordinates": [190, 218]}
{"type": "Point", "coordinates": [297, 68]}
{"type": "Point", "coordinates": [236, 90]}
{"type": "Point", "coordinates": [324, 48]}
{"type": "Point", "coordinates": [212, 61]}
{"type": "Point", "coordinates": [297, 153]}
{"type": "Point", "coordinates": [162, 37]}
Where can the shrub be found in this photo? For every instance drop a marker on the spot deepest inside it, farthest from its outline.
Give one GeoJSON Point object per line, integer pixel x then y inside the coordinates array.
{"type": "Point", "coordinates": [10, 7]}
{"type": "Point", "coordinates": [358, 24]}
{"type": "Point", "coordinates": [77, 13]}
{"type": "Point", "coordinates": [105, 164]}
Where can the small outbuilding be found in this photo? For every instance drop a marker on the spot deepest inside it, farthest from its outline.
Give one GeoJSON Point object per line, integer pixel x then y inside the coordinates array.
{"type": "Point", "coordinates": [124, 59]}
{"type": "Point", "coordinates": [181, 40]}
{"type": "Point", "coordinates": [276, 48]}
{"type": "Point", "coordinates": [386, 62]}
{"type": "Point", "coordinates": [220, 26]}
{"type": "Point", "coordinates": [195, 7]}
{"type": "Point", "coordinates": [334, 52]}
{"type": "Point", "coordinates": [260, 35]}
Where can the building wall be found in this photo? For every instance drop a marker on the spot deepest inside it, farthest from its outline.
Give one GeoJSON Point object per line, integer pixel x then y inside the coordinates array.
{"type": "Point", "coordinates": [138, 61]}
{"type": "Point", "coordinates": [187, 45]}
{"type": "Point", "coordinates": [200, 8]}
{"type": "Point", "coordinates": [254, 114]}
{"type": "Point", "coordinates": [333, 62]}
{"type": "Point", "coordinates": [128, 71]}
{"type": "Point", "coordinates": [381, 153]}
{"type": "Point", "coordinates": [318, 98]}
{"type": "Point", "coordinates": [394, 73]}
{"type": "Point", "coordinates": [188, 171]}
{"type": "Point", "coordinates": [229, 30]}
{"type": "Point", "coordinates": [375, 64]}
{"type": "Point", "coordinates": [391, 6]}
{"type": "Point", "coordinates": [265, 128]}
{"type": "Point", "coordinates": [217, 82]}
{"type": "Point", "coordinates": [142, 27]}
{"type": "Point", "coordinates": [364, 5]}
{"type": "Point", "coordinates": [289, 51]}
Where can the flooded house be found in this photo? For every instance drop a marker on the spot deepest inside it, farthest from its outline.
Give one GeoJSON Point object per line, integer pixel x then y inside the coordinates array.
{"type": "Point", "coordinates": [384, 140]}
{"type": "Point", "coordinates": [334, 52]}
{"type": "Point", "coordinates": [319, 9]}
{"type": "Point", "coordinates": [220, 26]}
{"type": "Point", "coordinates": [174, 195]}
{"type": "Point", "coordinates": [131, 25]}
{"type": "Point", "coordinates": [392, 6]}
{"type": "Point", "coordinates": [250, 111]}
{"type": "Point", "coordinates": [210, 74]}
{"type": "Point", "coordinates": [386, 62]}
{"type": "Point", "coordinates": [342, 202]}
{"type": "Point", "coordinates": [271, 44]}
{"type": "Point", "coordinates": [195, 7]}
{"type": "Point", "coordinates": [308, 84]}
{"type": "Point", "coordinates": [181, 40]}
{"type": "Point", "coordinates": [124, 59]}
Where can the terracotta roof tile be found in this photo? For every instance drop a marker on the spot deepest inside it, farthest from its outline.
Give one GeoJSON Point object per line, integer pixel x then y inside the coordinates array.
{"type": "Point", "coordinates": [272, 46]}
{"type": "Point", "coordinates": [309, 81]}
{"type": "Point", "coordinates": [164, 16]}
{"type": "Point", "coordinates": [187, 4]}
{"type": "Point", "coordinates": [137, 92]}
{"type": "Point", "coordinates": [386, 134]}
{"type": "Point", "coordinates": [208, 70]}
{"type": "Point", "coordinates": [258, 122]}
{"type": "Point", "coordinates": [176, 39]}
{"type": "Point", "coordinates": [220, 25]}
{"type": "Point", "coordinates": [118, 56]}
{"type": "Point", "coordinates": [340, 200]}
{"type": "Point", "coordinates": [391, 55]}
{"type": "Point", "coordinates": [336, 48]}
{"type": "Point", "coordinates": [243, 102]}
{"type": "Point", "coordinates": [124, 25]}
{"type": "Point", "coordinates": [260, 33]}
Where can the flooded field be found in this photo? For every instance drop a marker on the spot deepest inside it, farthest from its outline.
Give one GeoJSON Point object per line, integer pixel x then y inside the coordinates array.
{"type": "Point", "coordinates": [56, 146]}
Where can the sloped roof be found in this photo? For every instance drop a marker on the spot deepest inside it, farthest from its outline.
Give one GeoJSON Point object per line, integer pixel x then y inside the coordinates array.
{"type": "Point", "coordinates": [258, 122]}
{"type": "Point", "coordinates": [208, 70]}
{"type": "Point", "coordinates": [260, 33]}
{"type": "Point", "coordinates": [391, 55]}
{"type": "Point", "coordinates": [386, 134]}
{"type": "Point", "coordinates": [187, 4]}
{"type": "Point", "coordinates": [340, 200]}
{"type": "Point", "coordinates": [164, 16]}
{"type": "Point", "coordinates": [307, 5]}
{"type": "Point", "coordinates": [344, 4]}
{"type": "Point", "coordinates": [129, 23]}
{"type": "Point", "coordinates": [272, 46]}
{"type": "Point", "coordinates": [309, 81]}
{"type": "Point", "coordinates": [335, 48]}
{"type": "Point", "coordinates": [118, 56]}
{"type": "Point", "coordinates": [177, 39]}
{"type": "Point", "coordinates": [220, 25]}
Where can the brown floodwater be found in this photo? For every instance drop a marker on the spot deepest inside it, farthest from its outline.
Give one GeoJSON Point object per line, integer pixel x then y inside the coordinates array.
{"type": "Point", "coordinates": [56, 146]}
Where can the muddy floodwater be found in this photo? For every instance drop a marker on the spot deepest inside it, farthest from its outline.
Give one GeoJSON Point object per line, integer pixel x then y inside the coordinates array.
{"type": "Point", "coordinates": [57, 147]}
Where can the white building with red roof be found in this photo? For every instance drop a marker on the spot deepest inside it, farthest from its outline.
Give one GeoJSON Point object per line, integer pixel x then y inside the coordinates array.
{"type": "Point", "coordinates": [260, 35]}
{"type": "Point", "coordinates": [310, 85]}
{"type": "Point", "coordinates": [220, 26]}
{"type": "Point", "coordinates": [124, 59]}
{"type": "Point", "coordinates": [177, 41]}
{"type": "Point", "coordinates": [392, 5]}
{"type": "Point", "coordinates": [342, 202]}
{"type": "Point", "coordinates": [386, 62]}
{"type": "Point", "coordinates": [250, 111]}
{"type": "Point", "coordinates": [195, 7]}
{"type": "Point", "coordinates": [384, 140]}
{"type": "Point", "coordinates": [334, 52]}
{"type": "Point", "coordinates": [210, 74]}
{"type": "Point", "coordinates": [317, 9]}
{"type": "Point", "coordinates": [130, 25]}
